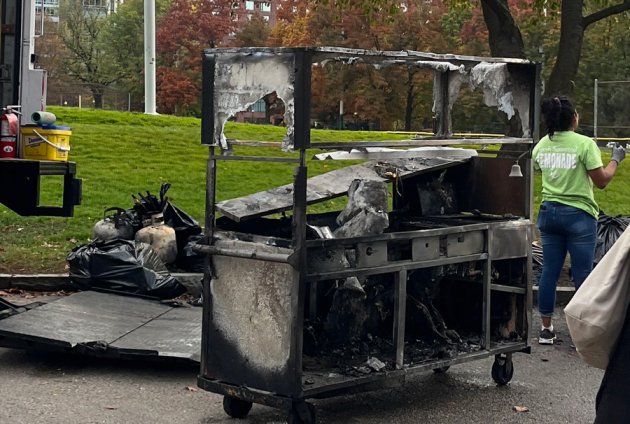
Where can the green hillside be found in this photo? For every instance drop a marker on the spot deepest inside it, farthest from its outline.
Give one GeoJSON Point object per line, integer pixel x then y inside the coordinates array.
{"type": "Point", "coordinates": [119, 154]}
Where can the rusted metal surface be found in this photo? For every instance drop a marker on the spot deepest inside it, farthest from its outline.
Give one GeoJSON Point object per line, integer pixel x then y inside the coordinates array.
{"type": "Point", "coordinates": [245, 393]}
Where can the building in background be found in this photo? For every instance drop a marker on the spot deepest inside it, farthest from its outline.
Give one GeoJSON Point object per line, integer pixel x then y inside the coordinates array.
{"type": "Point", "coordinates": [247, 8]}
{"type": "Point", "coordinates": [50, 8]}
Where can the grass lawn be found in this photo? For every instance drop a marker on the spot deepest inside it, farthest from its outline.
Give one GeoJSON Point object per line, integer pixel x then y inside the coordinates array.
{"type": "Point", "coordinates": [119, 154]}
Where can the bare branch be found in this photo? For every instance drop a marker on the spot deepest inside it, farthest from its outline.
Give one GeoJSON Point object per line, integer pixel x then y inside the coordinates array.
{"type": "Point", "coordinates": [604, 13]}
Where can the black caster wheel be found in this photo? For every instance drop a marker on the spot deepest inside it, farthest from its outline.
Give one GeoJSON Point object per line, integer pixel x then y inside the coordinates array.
{"type": "Point", "coordinates": [302, 413]}
{"type": "Point", "coordinates": [441, 370]}
{"type": "Point", "coordinates": [236, 408]}
{"type": "Point", "coordinates": [502, 369]}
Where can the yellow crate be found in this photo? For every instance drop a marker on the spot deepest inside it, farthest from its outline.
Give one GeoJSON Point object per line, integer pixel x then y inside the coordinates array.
{"type": "Point", "coordinates": [45, 143]}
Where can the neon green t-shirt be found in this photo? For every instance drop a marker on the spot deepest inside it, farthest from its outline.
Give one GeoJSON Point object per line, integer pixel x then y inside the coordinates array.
{"type": "Point", "coordinates": [565, 160]}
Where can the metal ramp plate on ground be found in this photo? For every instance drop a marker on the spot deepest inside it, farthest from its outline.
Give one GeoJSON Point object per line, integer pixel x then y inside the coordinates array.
{"type": "Point", "coordinates": [108, 325]}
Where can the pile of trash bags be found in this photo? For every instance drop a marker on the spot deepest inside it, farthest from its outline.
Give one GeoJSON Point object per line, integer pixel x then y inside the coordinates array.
{"type": "Point", "coordinates": [609, 229]}
{"type": "Point", "coordinates": [537, 261]}
{"type": "Point", "coordinates": [134, 250]}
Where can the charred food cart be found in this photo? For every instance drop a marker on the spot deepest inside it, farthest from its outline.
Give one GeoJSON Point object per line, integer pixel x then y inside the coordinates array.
{"type": "Point", "coordinates": [428, 265]}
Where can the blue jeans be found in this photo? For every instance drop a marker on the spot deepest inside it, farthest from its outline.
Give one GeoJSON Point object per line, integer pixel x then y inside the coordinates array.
{"type": "Point", "coordinates": [564, 228]}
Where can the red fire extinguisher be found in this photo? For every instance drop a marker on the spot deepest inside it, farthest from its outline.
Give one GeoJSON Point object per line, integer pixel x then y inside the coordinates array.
{"type": "Point", "coordinates": [8, 133]}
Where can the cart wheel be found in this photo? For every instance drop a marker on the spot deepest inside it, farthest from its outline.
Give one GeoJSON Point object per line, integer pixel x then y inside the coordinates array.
{"type": "Point", "coordinates": [441, 370]}
{"type": "Point", "coordinates": [502, 369]}
{"type": "Point", "coordinates": [236, 408]}
{"type": "Point", "coordinates": [302, 413]}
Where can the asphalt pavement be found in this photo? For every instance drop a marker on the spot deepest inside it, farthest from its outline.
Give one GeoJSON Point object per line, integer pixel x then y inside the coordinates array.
{"type": "Point", "coordinates": [551, 385]}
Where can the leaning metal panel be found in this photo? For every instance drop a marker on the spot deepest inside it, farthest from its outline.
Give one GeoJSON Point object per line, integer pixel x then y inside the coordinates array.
{"type": "Point", "coordinates": [329, 185]}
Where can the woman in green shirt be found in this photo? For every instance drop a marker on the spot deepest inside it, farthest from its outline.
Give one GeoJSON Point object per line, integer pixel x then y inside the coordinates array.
{"type": "Point", "coordinates": [570, 164]}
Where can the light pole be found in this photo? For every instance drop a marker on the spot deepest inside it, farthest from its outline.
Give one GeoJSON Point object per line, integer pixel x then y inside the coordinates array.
{"type": "Point", "coordinates": [149, 57]}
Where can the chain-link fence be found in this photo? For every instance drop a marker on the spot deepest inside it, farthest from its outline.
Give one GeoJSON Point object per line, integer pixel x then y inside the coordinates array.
{"type": "Point", "coordinates": [611, 112]}
{"type": "Point", "coordinates": [111, 99]}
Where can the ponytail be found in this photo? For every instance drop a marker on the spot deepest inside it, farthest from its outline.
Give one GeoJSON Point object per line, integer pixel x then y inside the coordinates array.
{"type": "Point", "coordinates": [558, 113]}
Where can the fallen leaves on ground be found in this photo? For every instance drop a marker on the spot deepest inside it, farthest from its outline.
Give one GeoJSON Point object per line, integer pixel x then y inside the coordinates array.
{"type": "Point", "coordinates": [27, 294]}
{"type": "Point", "coordinates": [518, 408]}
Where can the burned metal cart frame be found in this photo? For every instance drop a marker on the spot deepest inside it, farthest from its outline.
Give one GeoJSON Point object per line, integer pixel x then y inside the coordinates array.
{"type": "Point", "coordinates": [446, 279]}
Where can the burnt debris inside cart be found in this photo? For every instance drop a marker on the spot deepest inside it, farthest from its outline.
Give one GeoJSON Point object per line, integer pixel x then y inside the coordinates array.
{"type": "Point", "coordinates": [419, 260]}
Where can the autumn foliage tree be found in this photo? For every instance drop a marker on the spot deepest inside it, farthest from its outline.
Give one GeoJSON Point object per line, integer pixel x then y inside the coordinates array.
{"type": "Point", "coordinates": [52, 55]}
{"type": "Point", "coordinates": [254, 33]}
{"type": "Point", "coordinates": [292, 29]}
{"type": "Point", "coordinates": [82, 32]}
{"type": "Point", "coordinates": [421, 28]}
{"type": "Point", "coordinates": [125, 43]}
{"type": "Point", "coordinates": [187, 28]}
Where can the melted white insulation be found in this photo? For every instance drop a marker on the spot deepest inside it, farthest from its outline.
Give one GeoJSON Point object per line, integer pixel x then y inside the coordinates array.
{"type": "Point", "coordinates": [240, 81]}
{"type": "Point", "coordinates": [500, 90]}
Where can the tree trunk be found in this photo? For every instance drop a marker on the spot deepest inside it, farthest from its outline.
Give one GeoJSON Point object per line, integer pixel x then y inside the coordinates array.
{"type": "Point", "coordinates": [504, 36]}
{"type": "Point", "coordinates": [505, 40]}
{"type": "Point", "coordinates": [562, 79]}
{"type": "Point", "coordinates": [97, 94]}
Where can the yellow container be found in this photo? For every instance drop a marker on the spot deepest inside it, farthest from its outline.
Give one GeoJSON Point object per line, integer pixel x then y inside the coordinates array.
{"type": "Point", "coordinates": [49, 143]}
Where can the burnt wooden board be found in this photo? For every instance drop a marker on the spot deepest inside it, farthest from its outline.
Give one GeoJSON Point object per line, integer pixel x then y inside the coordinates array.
{"type": "Point", "coordinates": [125, 325]}
{"type": "Point", "coordinates": [329, 185]}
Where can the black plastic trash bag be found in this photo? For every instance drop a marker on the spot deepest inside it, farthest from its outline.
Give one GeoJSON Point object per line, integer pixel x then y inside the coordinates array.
{"type": "Point", "coordinates": [188, 259]}
{"type": "Point", "coordinates": [537, 261]}
{"type": "Point", "coordinates": [609, 229]}
{"type": "Point", "coordinates": [124, 266]}
{"type": "Point", "coordinates": [183, 224]}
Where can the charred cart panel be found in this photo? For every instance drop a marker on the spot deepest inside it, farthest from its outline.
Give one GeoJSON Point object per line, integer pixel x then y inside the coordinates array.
{"type": "Point", "coordinates": [242, 80]}
{"type": "Point", "coordinates": [250, 322]}
{"type": "Point", "coordinates": [427, 266]}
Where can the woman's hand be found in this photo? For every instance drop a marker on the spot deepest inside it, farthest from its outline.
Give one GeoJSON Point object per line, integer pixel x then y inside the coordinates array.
{"type": "Point", "coordinates": [618, 153]}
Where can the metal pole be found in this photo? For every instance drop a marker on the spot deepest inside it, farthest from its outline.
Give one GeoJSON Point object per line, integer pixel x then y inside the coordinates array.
{"type": "Point", "coordinates": [149, 57]}
{"type": "Point", "coordinates": [595, 112]}
{"type": "Point", "coordinates": [340, 114]}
